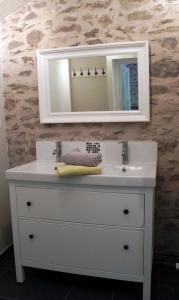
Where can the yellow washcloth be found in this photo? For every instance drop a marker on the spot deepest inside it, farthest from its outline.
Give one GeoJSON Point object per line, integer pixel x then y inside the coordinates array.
{"type": "Point", "coordinates": [71, 170]}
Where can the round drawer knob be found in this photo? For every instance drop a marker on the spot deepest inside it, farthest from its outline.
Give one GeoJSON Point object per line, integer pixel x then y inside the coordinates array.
{"type": "Point", "coordinates": [31, 236]}
{"type": "Point", "coordinates": [126, 211]}
{"type": "Point", "coordinates": [126, 247]}
{"type": "Point", "coordinates": [29, 203]}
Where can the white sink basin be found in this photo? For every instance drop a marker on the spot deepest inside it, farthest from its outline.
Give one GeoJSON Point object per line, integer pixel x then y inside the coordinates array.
{"type": "Point", "coordinates": [128, 170]}
{"type": "Point", "coordinates": [142, 174]}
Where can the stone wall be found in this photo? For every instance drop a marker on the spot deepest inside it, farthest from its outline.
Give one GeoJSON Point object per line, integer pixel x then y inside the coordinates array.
{"type": "Point", "coordinates": [51, 23]}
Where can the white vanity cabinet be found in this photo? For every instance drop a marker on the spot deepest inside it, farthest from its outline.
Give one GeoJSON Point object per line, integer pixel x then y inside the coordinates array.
{"type": "Point", "coordinates": [90, 230]}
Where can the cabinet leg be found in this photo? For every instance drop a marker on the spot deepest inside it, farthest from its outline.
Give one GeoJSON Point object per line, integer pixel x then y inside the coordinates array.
{"type": "Point", "coordinates": [147, 289]}
{"type": "Point", "coordinates": [20, 274]}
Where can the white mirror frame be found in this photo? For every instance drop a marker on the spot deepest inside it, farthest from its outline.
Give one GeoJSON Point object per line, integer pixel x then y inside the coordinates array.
{"type": "Point", "coordinates": [140, 49]}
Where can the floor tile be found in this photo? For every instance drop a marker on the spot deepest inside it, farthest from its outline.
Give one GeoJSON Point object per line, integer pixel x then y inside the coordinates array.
{"type": "Point", "coordinates": [169, 293]}
{"type": "Point", "coordinates": [155, 290]}
{"type": "Point", "coordinates": [128, 291]}
{"type": "Point", "coordinates": [91, 289]}
{"type": "Point", "coordinates": [7, 260]}
{"type": "Point", "coordinates": [38, 285]}
{"type": "Point", "coordinates": [8, 298]}
{"type": "Point", "coordinates": [49, 285]}
{"type": "Point", "coordinates": [169, 277]}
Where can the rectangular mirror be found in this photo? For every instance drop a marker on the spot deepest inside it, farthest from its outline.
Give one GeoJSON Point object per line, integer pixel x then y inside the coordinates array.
{"type": "Point", "coordinates": [100, 83]}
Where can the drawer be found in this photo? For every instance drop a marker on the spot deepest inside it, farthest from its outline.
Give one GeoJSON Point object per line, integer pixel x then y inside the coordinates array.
{"type": "Point", "coordinates": [81, 206]}
{"type": "Point", "coordinates": [84, 246]}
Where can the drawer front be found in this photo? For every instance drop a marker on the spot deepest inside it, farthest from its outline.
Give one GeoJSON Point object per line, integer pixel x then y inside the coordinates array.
{"type": "Point", "coordinates": [81, 206]}
{"type": "Point", "coordinates": [75, 245]}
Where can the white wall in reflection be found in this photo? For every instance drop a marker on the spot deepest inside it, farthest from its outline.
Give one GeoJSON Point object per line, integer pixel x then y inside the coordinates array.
{"type": "Point", "coordinates": [59, 78]}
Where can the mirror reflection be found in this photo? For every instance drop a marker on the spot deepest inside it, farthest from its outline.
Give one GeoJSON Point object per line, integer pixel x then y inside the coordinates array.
{"type": "Point", "coordinates": [100, 83]}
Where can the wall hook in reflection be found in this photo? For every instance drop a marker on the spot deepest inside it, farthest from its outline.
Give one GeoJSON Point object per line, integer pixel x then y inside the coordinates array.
{"type": "Point", "coordinates": [95, 72]}
{"type": "Point", "coordinates": [103, 72]}
{"type": "Point", "coordinates": [81, 72]}
{"type": "Point", "coordinates": [74, 73]}
{"type": "Point", "coordinates": [88, 72]}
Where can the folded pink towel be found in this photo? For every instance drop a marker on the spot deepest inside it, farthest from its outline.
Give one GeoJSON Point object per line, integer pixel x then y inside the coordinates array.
{"type": "Point", "coordinates": [76, 157]}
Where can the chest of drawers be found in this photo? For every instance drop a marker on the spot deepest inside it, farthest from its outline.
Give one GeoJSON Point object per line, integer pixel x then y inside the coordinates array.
{"type": "Point", "coordinates": [105, 232]}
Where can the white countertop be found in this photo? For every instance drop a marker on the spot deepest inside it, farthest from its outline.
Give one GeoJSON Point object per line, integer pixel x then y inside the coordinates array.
{"type": "Point", "coordinates": [137, 174]}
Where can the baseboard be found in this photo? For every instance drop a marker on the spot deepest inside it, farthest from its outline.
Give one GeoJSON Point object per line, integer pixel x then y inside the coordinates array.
{"type": "Point", "coordinates": [6, 249]}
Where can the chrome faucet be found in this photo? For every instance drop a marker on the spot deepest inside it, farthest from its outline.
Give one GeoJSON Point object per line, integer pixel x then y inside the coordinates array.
{"type": "Point", "coordinates": [124, 153]}
{"type": "Point", "coordinates": [58, 151]}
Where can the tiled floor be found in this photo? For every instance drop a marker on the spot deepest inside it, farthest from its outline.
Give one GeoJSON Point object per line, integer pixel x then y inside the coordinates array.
{"type": "Point", "coordinates": [49, 285]}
